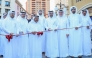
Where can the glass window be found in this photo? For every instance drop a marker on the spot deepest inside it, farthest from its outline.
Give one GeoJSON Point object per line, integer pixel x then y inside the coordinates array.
{"type": "Point", "coordinates": [43, 0]}
{"type": "Point", "coordinates": [33, 0]}
{"type": "Point", "coordinates": [6, 10]}
{"type": "Point", "coordinates": [0, 10]}
{"type": "Point", "coordinates": [78, 0]}
{"type": "Point", "coordinates": [0, 17]}
{"type": "Point", "coordinates": [0, 2]}
{"type": "Point", "coordinates": [7, 3]}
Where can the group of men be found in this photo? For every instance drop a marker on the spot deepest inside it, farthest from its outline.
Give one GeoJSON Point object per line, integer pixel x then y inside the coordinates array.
{"type": "Point", "coordinates": [57, 36]}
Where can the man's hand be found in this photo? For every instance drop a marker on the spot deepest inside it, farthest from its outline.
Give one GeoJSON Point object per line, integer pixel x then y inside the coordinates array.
{"type": "Point", "coordinates": [21, 32]}
{"type": "Point", "coordinates": [88, 27]}
{"type": "Point", "coordinates": [17, 35]}
{"type": "Point", "coordinates": [55, 30]}
{"type": "Point", "coordinates": [67, 35]}
{"type": "Point", "coordinates": [11, 33]}
{"type": "Point", "coordinates": [76, 28]}
{"type": "Point", "coordinates": [34, 32]}
{"type": "Point", "coordinates": [49, 29]}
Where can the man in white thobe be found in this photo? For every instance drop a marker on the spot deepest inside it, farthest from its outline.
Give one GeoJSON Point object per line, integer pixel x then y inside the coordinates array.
{"type": "Point", "coordinates": [1, 32]}
{"type": "Point", "coordinates": [9, 27]}
{"type": "Point", "coordinates": [35, 40]}
{"type": "Point", "coordinates": [30, 18]}
{"type": "Point", "coordinates": [86, 21]}
{"type": "Point", "coordinates": [23, 49]}
{"type": "Point", "coordinates": [75, 38]}
{"type": "Point", "coordinates": [62, 34]}
{"type": "Point", "coordinates": [42, 21]}
{"type": "Point", "coordinates": [51, 36]}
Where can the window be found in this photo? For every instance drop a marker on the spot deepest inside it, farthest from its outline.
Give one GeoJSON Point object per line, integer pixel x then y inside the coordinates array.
{"type": "Point", "coordinates": [43, 0]}
{"type": "Point", "coordinates": [33, 8]}
{"type": "Point", "coordinates": [7, 3]}
{"type": "Point", "coordinates": [78, 0]}
{"type": "Point", "coordinates": [33, 4]}
{"type": "Point", "coordinates": [6, 10]}
{"type": "Point", "coordinates": [0, 17]}
{"type": "Point", "coordinates": [0, 10]}
{"type": "Point", "coordinates": [0, 2]}
{"type": "Point", "coordinates": [33, 0]}
{"type": "Point", "coordinates": [43, 5]}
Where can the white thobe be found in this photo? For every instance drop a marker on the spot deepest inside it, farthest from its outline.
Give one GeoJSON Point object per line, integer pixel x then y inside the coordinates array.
{"type": "Point", "coordinates": [75, 39]}
{"type": "Point", "coordinates": [62, 39]}
{"type": "Point", "coordinates": [10, 48]}
{"type": "Point", "coordinates": [35, 41]}
{"type": "Point", "coordinates": [42, 21]}
{"type": "Point", "coordinates": [86, 21]}
{"type": "Point", "coordinates": [23, 49]}
{"type": "Point", "coordinates": [51, 38]}
{"type": "Point", "coordinates": [1, 38]}
{"type": "Point", "coordinates": [1, 51]}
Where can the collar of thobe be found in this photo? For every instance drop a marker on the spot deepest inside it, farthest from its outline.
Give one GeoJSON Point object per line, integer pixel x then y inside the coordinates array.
{"type": "Point", "coordinates": [35, 22]}
{"type": "Point", "coordinates": [85, 17]}
{"type": "Point", "coordinates": [51, 17]}
{"type": "Point", "coordinates": [41, 16]}
{"type": "Point", "coordinates": [10, 19]}
{"type": "Point", "coordinates": [74, 14]}
{"type": "Point", "coordinates": [60, 16]}
{"type": "Point", "coordinates": [23, 19]}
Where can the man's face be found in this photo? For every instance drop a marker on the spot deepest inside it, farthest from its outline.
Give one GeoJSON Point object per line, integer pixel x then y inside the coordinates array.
{"type": "Point", "coordinates": [73, 11]}
{"type": "Point", "coordinates": [60, 13]}
{"type": "Point", "coordinates": [36, 19]}
{"type": "Point", "coordinates": [40, 12]}
{"type": "Point", "coordinates": [32, 16]}
{"type": "Point", "coordinates": [5, 15]}
{"type": "Point", "coordinates": [12, 15]}
{"type": "Point", "coordinates": [23, 15]}
{"type": "Point", "coordinates": [51, 14]}
{"type": "Point", "coordinates": [84, 13]}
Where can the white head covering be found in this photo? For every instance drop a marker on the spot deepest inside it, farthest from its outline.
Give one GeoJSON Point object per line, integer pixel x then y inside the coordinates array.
{"type": "Point", "coordinates": [73, 8]}
{"type": "Point", "coordinates": [87, 14]}
{"type": "Point", "coordinates": [39, 12]}
{"type": "Point", "coordinates": [35, 17]}
{"type": "Point", "coordinates": [19, 17]}
{"type": "Point", "coordinates": [8, 16]}
{"type": "Point", "coordinates": [62, 15]}
{"type": "Point", "coordinates": [4, 14]}
{"type": "Point", "coordinates": [54, 15]}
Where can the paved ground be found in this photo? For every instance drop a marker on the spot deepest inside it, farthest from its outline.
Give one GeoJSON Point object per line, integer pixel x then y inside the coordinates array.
{"type": "Point", "coordinates": [76, 57]}
{"type": "Point", "coordinates": [68, 57]}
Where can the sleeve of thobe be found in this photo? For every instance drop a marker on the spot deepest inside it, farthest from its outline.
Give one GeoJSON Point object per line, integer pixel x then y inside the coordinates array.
{"type": "Point", "coordinates": [80, 21]}
{"type": "Point", "coordinates": [90, 22]}
{"type": "Point", "coordinates": [29, 28]}
{"type": "Point", "coordinates": [18, 28]}
{"type": "Point", "coordinates": [0, 26]}
{"type": "Point", "coordinates": [46, 25]}
{"type": "Point", "coordinates": [56, 23]}
{"type": "Point", "coordinates": [67, 25]}
{"type": "Point", "coordinates": [4, 28]}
